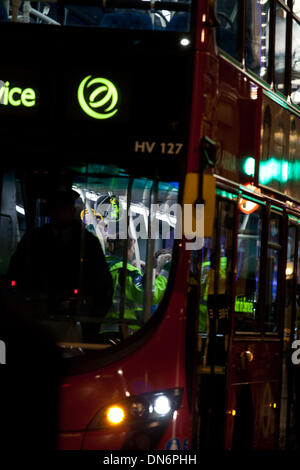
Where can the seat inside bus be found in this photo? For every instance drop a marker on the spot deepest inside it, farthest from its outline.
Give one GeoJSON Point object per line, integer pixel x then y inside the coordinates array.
{"type": "Point", "coordinates": [126, 20]}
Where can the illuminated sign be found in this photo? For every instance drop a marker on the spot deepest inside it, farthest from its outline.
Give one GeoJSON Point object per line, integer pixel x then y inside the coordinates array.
{"type": "Point", "coordinates": [15, 96]}
{"type": "Point", "coordinates": [243, 305]}
{"type": "Point", "coordinates": [105, 107]}
{"type": "Point", "coordinates": [246, 206]}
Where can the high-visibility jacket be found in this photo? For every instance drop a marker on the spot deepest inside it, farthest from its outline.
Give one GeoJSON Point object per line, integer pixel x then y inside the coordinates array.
{"type": "Point", "coordinates": [207, 281]}
{"type": "Point", "coordinates": [134, 293]}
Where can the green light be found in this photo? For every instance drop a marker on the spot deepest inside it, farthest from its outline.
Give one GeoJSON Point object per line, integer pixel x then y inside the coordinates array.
{"type": "Point", "coordinates": [16, 96]}
{"type": "Point", "coordinates": [284, 172]}
{"type": "Point", "coordinates": [276, 98]}
{"type": "Point", "coordinates": [110, 96]}
{"type": "Point", "coordinates": [223, 193]}
{"type": "Point", "coordinates": [274, 170]}
{"type": "Point", "coordinates": [242, 305]}
{"type": "Point", "coordinates": [249, 166]}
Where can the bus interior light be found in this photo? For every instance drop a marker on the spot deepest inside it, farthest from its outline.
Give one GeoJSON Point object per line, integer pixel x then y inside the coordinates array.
{"type": "Point", "coordinates": [185, 42]}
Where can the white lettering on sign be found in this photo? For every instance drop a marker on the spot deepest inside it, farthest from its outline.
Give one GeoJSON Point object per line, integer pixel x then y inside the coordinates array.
{"type": "Point", "coordinates": [168, 148]}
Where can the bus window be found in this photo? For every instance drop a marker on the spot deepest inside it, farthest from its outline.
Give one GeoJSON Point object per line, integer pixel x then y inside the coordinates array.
{"type": "Point", "coordinates": [297, 320]}
{"type": "Point", "coordinates": [296, 63]}
{"type": "Point", "coordinates": [215, 288]}
{"type": "Point", "coordinates": [227, 30]}
{"type": "Point", "coordinates": [248, 271]}
{"type": "Point", "coordinates": [280, 44]}
{"type": "Point", "coordinates": [289, 285]}
{"type": "Point", "coordinates": [140, 18]}
{"type": "Point", "coordinates": [296, 7]}
{"type": "Point", "coordinates": [53, 267]}
{"type": "Point", "coordinates": [214, 328]}
{"type": "Point", "coordinates": [257, 37]}
{"type": "Point", "coordinates": [272, 272]}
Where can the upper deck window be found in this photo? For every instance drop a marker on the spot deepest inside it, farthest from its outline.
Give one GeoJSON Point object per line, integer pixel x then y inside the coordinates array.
{"type": "Point", "coordinates": [228, 12]}
{"type": "Point", "coordinates": [280, 48]}
{"type": "Point", "coordinates": [264, 37]}
{"type": "Point", "coordinates": [171, 15]}
{"type": "Point", "coordinates": [296, 63]}
{"type": "Point", "coordinates": [257, 37]}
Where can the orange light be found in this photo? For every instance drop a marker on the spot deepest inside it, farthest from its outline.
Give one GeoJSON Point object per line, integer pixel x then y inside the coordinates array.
{"type": "Point", "coordinates": [115, 415]}
{"type": "Point", "coordinates": [274, 405]}
{"type": "Point", "coordinates": [247, 206]}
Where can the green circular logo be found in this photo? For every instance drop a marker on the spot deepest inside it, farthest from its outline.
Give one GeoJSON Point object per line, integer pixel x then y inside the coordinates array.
{"type": "Point", "coordinates": [103, 97]}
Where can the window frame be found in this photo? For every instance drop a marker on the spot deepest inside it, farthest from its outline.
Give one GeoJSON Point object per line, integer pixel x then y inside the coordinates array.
{"type": "Point", "coordinates": [242, 43]}
{"type": "Point", "coordinates": [258, 332]}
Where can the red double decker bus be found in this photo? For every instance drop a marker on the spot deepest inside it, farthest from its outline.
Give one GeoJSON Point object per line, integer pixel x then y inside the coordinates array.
{"type": "Point", "coordinates": [142, 110]}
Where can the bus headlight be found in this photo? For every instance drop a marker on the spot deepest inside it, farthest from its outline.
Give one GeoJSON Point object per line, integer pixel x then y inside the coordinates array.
{"type": "Point", "coordinates": [162, 405]}
{"type": "Point", "coordinates": [148, 407]}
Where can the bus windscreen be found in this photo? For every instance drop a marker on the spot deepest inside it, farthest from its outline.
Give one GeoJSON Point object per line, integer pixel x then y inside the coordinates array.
{"type": "Point", "coordinates": [86, 250]}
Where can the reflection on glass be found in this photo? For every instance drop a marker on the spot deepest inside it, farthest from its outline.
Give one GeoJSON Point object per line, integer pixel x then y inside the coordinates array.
{"type": "Point", "coordinates": [280, 42]}
{"type": "Point", "coordinates": [296, 7]}
{"type": "Point", "coordinates": [52, 252]}
{"type": "Point", "coordinates": [274, 227]}
{"type": "Point", "coordinates": [257, 37]}
{"type": "Point", "coordinates": [289, 284]}
{"type": "Point", "coordinates": [296, 63]}
{"type": "Point", "coordinates": [227, 30]}
{"type": "Point", "coordinates": [142, 17]}
{"type": "Point", "coordinates": [207, 280]}
{"type": "Point", "coordinates": [215, 289]}
{"type": "Point", "coordinates": [270, 317]}
{"type": "Point", "coordinates": [248, 267]}
{"type": "Point", "coordinates": [297, 321]}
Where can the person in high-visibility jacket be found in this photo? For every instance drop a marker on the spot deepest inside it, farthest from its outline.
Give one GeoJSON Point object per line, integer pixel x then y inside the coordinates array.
{"type": "Point", "coordinates": [207, 284]}
{"type": "Point", "coordinates": [134, 286]}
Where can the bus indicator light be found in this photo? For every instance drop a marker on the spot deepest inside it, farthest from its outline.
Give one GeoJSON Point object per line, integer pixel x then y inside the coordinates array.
{"type": "Point", "coordinates": [115, 415]}
{"type": "Point", "coordinates": [247, 206]}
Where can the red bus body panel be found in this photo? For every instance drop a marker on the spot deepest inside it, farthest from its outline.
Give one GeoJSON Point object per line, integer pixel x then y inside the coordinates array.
{"type": "Point", "coordinates": [159, 364]}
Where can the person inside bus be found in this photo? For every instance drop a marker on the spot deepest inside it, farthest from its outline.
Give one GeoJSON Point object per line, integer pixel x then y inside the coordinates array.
{"type": "Point", "coordinates": [134, 285]}
{"type": "Point", "coordinates": [62, 265]}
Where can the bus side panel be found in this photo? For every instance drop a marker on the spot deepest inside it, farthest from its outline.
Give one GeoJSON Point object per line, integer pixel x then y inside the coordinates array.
{"type": "Point", "coordinates": [157, 365]}
{"type": "Point", "coordinates": [253, 397]}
